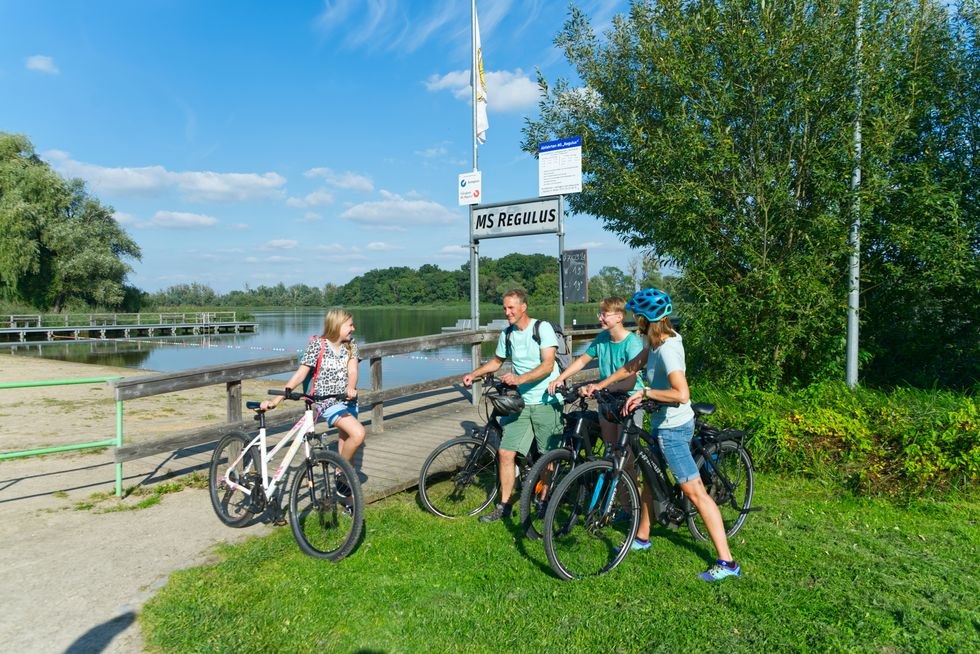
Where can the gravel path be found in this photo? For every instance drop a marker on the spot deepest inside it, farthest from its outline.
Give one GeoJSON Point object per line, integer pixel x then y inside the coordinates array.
{"type": "Point", "coordinates": [73, 579]}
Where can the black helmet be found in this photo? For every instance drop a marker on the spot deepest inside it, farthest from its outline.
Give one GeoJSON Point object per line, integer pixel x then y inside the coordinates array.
{"type": "Point", "coordinates": [507, 403]}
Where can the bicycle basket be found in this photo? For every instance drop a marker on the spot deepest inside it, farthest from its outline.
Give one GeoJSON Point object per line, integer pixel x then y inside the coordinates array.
{"type": "Point", "coordinates": [506, 403]}
{"type": "Point", "coordinates": [611, 407]}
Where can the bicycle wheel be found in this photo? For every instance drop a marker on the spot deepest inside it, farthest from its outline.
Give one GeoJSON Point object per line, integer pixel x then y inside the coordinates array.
{"type": "Point", "coordinates": [533, 502]}
{"type": "Point", "coordinates": [459, 478]}
{"type": "Point", "coordinates": [326, 507]}
{"type": "Point", "coordinates": [233, 506]}
{"type": "Point", "coordinates": [587, 529]}
{"type": "Point", "coordinates": [728, 477]}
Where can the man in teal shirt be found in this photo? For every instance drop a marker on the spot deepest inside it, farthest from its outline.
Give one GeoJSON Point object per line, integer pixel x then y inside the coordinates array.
{"type": "Point", "coordinates": [534, 369]}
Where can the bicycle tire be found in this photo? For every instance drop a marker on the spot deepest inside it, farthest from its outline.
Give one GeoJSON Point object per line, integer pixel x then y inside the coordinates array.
{"type": "Point", "coordinates": [729, 478]}
{"type": "Point", "coordinates": [233, 506]}
{"type": "Point", "coordinates": [532, 505]}
{"type": "Point", "coordinates": [326, 521]}
{"type": "Point", "coordinates": [459, 478]}
{"type": "Point", "coordinates": [581, 541]}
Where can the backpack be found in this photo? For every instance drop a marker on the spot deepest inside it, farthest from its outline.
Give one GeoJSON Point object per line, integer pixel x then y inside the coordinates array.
{"type": "Point", "coordinates": [308, 382]}
{"type": "Point", "coordinates": [562, 356]}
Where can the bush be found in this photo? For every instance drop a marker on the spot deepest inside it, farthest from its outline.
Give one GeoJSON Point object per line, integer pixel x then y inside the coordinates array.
{"type": "Point", "coordinates": [903, 443]}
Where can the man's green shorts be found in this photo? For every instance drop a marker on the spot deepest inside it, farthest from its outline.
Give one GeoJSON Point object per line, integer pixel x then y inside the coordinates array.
{"type": "Point", "coordinates": [542, 422]}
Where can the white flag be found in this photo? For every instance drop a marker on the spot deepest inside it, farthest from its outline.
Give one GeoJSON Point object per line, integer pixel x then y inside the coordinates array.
{"type": "Point", "coordinates": [482, 124]}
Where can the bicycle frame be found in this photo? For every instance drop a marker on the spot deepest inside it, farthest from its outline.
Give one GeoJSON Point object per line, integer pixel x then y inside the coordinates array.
{"type": "Point", "coordinates": [295, 436]}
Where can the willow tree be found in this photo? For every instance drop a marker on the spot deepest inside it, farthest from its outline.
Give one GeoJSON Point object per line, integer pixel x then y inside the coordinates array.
{"type": "Point", "coordinates": [60, 246]}
{"type": "Point", "coordinates": [720, 135]}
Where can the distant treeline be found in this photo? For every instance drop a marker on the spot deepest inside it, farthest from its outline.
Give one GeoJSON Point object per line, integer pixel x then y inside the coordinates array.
{"type": "Point", "coordinates": [537, 274]}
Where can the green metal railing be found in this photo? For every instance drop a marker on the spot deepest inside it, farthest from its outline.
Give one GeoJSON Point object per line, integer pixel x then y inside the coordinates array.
{"type": "Point", "coordinates": [117, 441]}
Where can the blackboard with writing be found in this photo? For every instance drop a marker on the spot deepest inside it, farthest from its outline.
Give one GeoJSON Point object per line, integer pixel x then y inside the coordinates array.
{"type": "Point", "coordinates": [575, 275]}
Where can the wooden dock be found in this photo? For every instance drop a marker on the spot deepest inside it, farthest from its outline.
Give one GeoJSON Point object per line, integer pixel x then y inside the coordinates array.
{"type": "Point", "coordinates": [40, 328]}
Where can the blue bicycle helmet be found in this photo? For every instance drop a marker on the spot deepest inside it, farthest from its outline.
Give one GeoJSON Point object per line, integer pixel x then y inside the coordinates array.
{"type": "Point", "coordinates": [651, 303]}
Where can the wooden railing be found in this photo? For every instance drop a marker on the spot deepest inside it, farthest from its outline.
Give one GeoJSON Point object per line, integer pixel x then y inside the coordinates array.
{"type": "Point", "coordinates": [232, 375]}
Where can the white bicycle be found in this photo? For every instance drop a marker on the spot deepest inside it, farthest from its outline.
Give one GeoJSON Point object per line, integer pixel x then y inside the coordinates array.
{"type": "Point", "coordinates": [326, 503]}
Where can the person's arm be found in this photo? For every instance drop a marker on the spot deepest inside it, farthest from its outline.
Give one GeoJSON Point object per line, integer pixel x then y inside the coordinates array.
{"type": "Point", "coordinates": [573, 368]}
{"type": "Point", "coordinates": [493, 365]}
{"type": "Point", "coordinates": [678, 392]}
{"type": "Point", "coordinates": [631, 367]}
{"type": "Point", "coordinates": [352, 377]}
{"type": "Point", "coordinates": [293, 382]}
{"type": "Point", "coordinates": [540, 371]}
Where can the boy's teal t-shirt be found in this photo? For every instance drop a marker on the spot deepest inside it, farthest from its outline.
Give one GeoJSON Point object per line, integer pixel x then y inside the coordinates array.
{"type": "Point", "coordinates": [612, 356]}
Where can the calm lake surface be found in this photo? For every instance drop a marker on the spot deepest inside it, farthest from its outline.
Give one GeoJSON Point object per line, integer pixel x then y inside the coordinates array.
{"type": "Point", "coordinates": [286, 333]}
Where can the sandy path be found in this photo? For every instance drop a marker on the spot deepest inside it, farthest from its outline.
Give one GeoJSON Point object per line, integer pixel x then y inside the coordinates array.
{"type": "Point", "coordinates": [73, 579]}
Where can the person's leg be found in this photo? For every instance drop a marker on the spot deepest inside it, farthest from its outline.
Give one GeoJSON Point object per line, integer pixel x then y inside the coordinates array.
{"type": "Point", "coordinates": [547, 426]}
{"type": "Point", "coordinates": [505, 461]}
{"type": "Point", "coordinates": [676, 445]}
{"type": "Point", "coordinates": [516, 438]}
{"type": "Point", "coordinates": [350, 435]}
{"type": "Point", "coordinates": [696, 492]}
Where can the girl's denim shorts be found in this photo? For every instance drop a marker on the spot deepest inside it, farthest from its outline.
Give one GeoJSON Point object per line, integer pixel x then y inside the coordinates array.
{"type": "Point", "coordinates": [675, 443]}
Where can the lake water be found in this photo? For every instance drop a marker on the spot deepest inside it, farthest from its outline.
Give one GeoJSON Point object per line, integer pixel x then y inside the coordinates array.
{"type": "Point", "coordinates": [287, 332]}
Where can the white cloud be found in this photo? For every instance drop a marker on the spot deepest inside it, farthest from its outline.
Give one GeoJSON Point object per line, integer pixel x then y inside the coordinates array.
{"type": "Point", "coordinates": [181, 220]}
{"type": "Point", "coordinates": [317, 198]}
{"type": "Point", "coordinates": [282, 244]}
{"type": "Point", "coordinates": [124, 218]}
{"type": "Point", "coordinates": [345, 180]}
{"type": "Point", "coordinates": [434, 152]}
{"type": "Point", "coordinates": [506, 90]}
{"type": "Point", "coordinates": [396, 211]}
{"type": "Point", "coordinates": [41, 64]}
{"type": "Point", "coordinates": [271, 259]}
{"type": "Point", "coordinates": [379, 246]}
{"type": "Point", "coordinates": [193, 185]}
{"type": "Point", "coordinates": [389, 24]}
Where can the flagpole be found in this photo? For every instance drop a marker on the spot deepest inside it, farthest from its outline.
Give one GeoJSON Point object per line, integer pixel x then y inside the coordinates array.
{"type": "Point", "coordinates": [474, 245]}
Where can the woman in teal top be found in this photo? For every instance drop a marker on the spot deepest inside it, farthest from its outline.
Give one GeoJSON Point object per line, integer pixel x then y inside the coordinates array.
{"type": "Point", "coordinates": [613, 346]}
{"type": "Point", "coordinates": [662, 361]}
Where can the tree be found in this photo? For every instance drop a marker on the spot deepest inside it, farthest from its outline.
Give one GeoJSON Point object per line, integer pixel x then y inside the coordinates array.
{"type": "Point", "coordinates": [719, 134]}
{"type": "Point", "coordinates": [60, 246]}
{"type": "Point", "coordinates": [610, 282]}
{"type": "Point", "coordinates": [922, 236]}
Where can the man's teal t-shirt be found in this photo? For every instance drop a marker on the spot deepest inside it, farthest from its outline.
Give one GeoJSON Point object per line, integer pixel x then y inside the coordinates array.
{"type": "Point", "coordinates": [612, 355]}
{"type": "Point", "coordinates": [525, 355]}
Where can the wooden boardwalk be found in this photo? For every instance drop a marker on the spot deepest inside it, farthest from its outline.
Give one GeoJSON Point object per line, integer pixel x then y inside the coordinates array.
{"type": "Point", "coordinates": [390, 461]}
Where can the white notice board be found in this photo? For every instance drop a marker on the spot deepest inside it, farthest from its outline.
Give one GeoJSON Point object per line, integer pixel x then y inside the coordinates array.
{"type": "Point", "coordinates": [560, 166]}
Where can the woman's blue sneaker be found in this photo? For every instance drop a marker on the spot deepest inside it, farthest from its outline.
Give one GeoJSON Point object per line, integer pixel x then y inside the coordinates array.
{"type": "Point", "coordinates": [721, 570]}
{"type": "Point", "coordinates": [639, 545]}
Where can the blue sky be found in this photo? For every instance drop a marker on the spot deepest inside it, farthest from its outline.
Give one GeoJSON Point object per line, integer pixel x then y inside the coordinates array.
{"type": "Point", "coordinates": [253, 142]}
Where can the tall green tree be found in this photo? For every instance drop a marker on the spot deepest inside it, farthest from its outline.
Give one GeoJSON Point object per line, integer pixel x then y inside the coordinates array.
{"type": "Point", "coordinates": [921, 237]}
{"type": "Point", "coordinates": [60, 246]}
{"type": "Point", "coordinates": [719, 134]}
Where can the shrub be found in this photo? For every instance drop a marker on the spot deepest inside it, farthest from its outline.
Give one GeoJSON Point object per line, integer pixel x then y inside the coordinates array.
{"type": "Point", "coordinates": [903, 443]}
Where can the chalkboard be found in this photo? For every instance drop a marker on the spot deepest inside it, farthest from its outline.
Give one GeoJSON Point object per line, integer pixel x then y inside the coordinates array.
{"type": "Point", "coordinates": [575, 275]}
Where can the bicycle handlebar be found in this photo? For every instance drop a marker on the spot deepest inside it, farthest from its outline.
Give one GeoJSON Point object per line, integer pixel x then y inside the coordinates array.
{"type": "Point", "coordinates": [620, 396]}
{"type": "Point", "coordinates": [293, 395]}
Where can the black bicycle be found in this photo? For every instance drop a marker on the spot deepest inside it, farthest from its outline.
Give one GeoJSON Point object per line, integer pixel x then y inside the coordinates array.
{"type": "Point", "coordinates": [459, 478]}
{"type": "Point", "coordinates": [581, 441]}
{"type": "Point", "coordinates": [594, 512]}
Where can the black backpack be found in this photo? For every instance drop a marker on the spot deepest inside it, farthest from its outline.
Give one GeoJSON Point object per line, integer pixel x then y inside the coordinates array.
{"type": "Point", "coordinates": [562, 356]}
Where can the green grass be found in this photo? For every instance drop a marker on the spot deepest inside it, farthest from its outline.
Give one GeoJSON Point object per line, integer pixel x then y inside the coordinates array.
{"type": "Point", "coordinates": [822, 573]}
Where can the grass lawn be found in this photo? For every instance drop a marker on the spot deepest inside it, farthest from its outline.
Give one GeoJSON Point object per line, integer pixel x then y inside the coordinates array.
{"type": "Point", "coordinates": [822, 572]}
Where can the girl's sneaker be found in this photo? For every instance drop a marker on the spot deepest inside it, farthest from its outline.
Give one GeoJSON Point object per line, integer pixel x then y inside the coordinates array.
{"type": "Point", "coordinates": [721, 570]}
